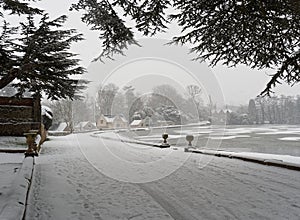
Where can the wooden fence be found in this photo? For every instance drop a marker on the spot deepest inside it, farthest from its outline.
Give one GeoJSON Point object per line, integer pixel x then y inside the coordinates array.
{"type": "Point", "coordinates": [19, 115]}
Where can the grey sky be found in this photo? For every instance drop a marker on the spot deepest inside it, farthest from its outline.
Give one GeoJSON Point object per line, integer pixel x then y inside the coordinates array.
{"type": "Point", "coordinates": [238, 84]}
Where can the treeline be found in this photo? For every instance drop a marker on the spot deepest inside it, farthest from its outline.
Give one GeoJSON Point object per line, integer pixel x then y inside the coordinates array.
{"type": "Point", "coordinates": [262, 110]}
{"type": "Point", "coordinates": [274, 110]}
{"type": "Point", "coordinates": [164, 103]}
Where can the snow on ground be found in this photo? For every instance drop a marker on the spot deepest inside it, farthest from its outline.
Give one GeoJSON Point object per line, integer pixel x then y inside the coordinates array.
{"type": "Point", "coordinates": [9, 142]}
{"type": "Point", "coordinates": [229, 130]}
{"type": "Point", "coordinates": [276, 139]}
{"type": "Point", "coordinates": [76, 177]}
{"type": "Point", "coordinates": [67, 186]}
{"type": "Point", "coordinates": [6, 158]}
{"type": "Point", "coordinates": [289, 139]}
{"type": "Point", "coordinates": [258, 156]}
{"type": "Point", "coordinates": [159, 137]}
{"type": "Point", "coordinates": [9, 167]}
{"type": "Point", "coordinates": [283, 158]}
{"type": "Point", "coordinates": [61, 126]}
{"type": "Point", "coordinates": [229, 137]}
{"type": "Point", "coordinates": [206, 131]}
{"type": "Point", "coordinates": [280, 132]}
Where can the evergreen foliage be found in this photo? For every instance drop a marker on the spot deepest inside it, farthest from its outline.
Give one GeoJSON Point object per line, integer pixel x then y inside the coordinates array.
{"type": "Point", "coordinates": [19, 8]}
{"type": "Point", "coordinates": [116, 35]}
{"type": "Point", "coordinates": [36, 57]}
{"type": "Point", "coordinates": [275, 110]}
{"type": "Point", "coordinates": [260, 34]}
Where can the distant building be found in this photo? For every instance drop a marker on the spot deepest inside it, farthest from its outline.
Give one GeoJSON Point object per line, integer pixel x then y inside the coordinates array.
{"type": "Point", "coordinates": [225, 111]}
{"type": "Point", "coordinates": [148, 121]}
{"type": "Point", "coordinates": [63, 126]}
{"type": "Point", "coordinates": [85, 126]}
{"type": "Point", "coordinates": [111, 122]}
{"type": "Point", "coordinates": [164, 123]}
{"type": "Point", "coordinates": [137, 124]}
{"type": "Point", "coordinates": [221, 116]}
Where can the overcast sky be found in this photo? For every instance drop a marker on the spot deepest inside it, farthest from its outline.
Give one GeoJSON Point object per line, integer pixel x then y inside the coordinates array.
{"type": "Point", "coordinates": [238, 84]}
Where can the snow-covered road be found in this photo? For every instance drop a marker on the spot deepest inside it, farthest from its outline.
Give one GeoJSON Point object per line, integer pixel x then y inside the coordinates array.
{"type": "Point", "coordinates": [83, 177]}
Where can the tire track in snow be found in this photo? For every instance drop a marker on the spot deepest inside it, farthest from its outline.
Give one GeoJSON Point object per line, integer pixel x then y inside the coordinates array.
{"type": "Point", "coordinates": [172, 206]}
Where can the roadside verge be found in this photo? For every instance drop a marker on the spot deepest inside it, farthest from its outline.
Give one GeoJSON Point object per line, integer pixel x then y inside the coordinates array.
{"type": "Point", "coordinates": [109, 136]}
{"type": "Point", "coordinates": [15, 207]}
{"type": "Point", "coordinates": [284, 161]}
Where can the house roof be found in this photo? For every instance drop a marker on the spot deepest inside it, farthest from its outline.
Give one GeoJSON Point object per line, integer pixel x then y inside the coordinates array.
{"type": "Point", "coordinates": [136, 122]}
{"type": "Point", "coordinates": [111, 118]}
{"type": "Point", "coordinates": [226, 110]}
{"type": "Point", "coordinates": [62, 126]}
{"type": "Point", "coordinates": [123, 118]}
{"type": "Point", "coordinates": [83, 123]}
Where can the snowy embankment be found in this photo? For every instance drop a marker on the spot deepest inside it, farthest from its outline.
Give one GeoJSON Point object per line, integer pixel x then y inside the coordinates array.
{"type": "Point", "coordinates": [9, 167]}
{"type": "Point", "coordinates": [82, 177]}
{"type": "Point", "coordinates": [286, 161]}
{"type": "Point", "coordinates": [113, 136]}
{"type": "Point", "coordinates": [16, 174]}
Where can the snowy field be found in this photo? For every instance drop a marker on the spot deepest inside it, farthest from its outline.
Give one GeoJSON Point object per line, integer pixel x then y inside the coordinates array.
{"type": "Point", "coordinates": [274, 139]}
{"type": "Point", "coordinates": [85, 177]}
{"type": "Point", "coordinates": [9, 167]}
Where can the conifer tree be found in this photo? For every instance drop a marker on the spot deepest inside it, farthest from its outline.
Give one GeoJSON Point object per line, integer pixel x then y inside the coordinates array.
{"type": "Point", "coordinates": [260, 34]}
{"type": "Point", "coordinates": [37, 57]}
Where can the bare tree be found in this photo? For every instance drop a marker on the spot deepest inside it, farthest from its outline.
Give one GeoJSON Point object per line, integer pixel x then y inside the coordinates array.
{"type": "Point", "coordinates": [166, 95]}
{"type": "Point", "coordinates": [105, 98]}
{"type": "Point", "coordinates": [83, 110]}
{"type": "Point", "coordinates": [63, 112]}
{"type": "Point", "coordinates": [194, 93]}
{"type": "Point", "coordinates": [133, 103]}
{"type": "Point", "coordinates": [118, 106]}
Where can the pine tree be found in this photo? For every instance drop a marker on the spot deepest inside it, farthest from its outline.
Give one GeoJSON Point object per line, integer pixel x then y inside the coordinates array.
{"type": "Point", "coordinates": [8, 58]}
{"type": "Point", "coordinates": [260, 34]}
{"type": "Point", "coordinates": [36, 57]}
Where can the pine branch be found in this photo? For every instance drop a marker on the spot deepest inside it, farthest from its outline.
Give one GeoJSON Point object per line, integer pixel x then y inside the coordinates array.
{"type": "Point", "coordinates": [289, 72]}
{"type": "Point", "coordinates": [19, 8]}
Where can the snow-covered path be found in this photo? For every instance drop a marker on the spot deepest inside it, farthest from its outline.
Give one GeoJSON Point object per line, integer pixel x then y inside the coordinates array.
{"type": "Point", "coordinates": [78, 177]}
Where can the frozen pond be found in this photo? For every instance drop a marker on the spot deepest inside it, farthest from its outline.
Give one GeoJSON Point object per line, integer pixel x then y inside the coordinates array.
{"type": "Point", "coordinates": [276, 139]}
